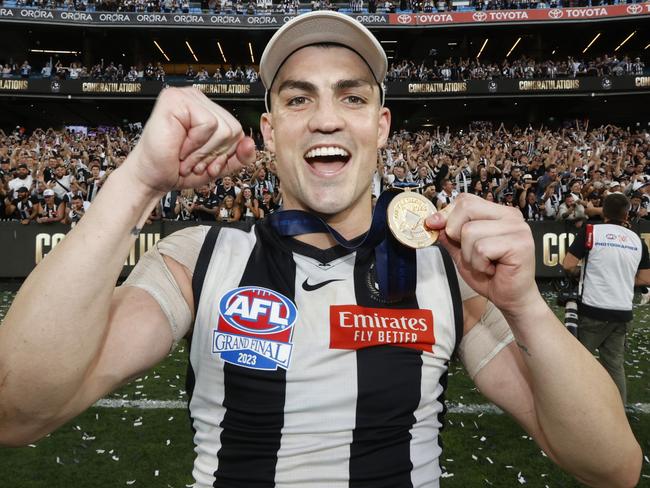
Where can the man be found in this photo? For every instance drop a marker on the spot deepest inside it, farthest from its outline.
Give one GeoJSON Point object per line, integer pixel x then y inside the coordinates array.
{"type": "Point", "coordinates": [550, 177]}
{"type": "Point", "coordinates": [288, 390]}
{"type": "Point", "coordinates": [62, 183]}
{"type": "Point", "coordinates": [226, 187]}
{"type": "Point", "coordinates": [78, 208]}
{"type": "Point", "coordinates": [571, 211]}
{"type": "Point", "coordinates": [616, 261]}
{"type": "Point", "coordinates": [205, 205]}
{"type": "Point", "coordinates": [447, 195]}
{"type": "Point", "coordinates": [23, 179]}
{"type": "Point", "coordinates": [21, 208]}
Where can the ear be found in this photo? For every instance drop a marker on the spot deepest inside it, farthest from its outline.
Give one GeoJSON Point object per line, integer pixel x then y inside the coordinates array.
{"type": "Point", "coordinates": [383, 128]}
{"type": "Point", "coordinates": [266, 125]}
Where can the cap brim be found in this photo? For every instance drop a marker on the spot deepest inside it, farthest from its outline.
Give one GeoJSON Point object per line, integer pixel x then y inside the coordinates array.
{"type": "Point", "coordinates": [318, 28]}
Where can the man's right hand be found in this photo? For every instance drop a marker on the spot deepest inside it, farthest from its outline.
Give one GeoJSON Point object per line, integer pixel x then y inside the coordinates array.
{"type": "Point", "coordinates": [188, 141]}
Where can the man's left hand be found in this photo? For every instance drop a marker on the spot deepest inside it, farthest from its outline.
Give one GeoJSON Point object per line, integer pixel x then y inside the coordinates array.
{"type": "Point", "coordinates": [493, 249]}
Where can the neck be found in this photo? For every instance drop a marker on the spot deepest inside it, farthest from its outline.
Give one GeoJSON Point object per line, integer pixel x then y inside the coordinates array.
{"type": "Point", "coordinates": [350, 223]}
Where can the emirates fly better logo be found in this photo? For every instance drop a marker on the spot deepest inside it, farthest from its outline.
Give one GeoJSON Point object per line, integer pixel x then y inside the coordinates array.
{"type": "Point", "coordinates": [355, 327]}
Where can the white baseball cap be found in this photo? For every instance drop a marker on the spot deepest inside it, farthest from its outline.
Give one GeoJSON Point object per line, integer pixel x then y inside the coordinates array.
{"type": "Point", "coordinates": [317, 28]}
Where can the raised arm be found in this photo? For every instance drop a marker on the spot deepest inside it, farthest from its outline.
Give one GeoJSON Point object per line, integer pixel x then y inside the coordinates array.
{"type": "Point", "coordinates": [546, 379]}
{"type": "Point", "coordinates": [96, 337]}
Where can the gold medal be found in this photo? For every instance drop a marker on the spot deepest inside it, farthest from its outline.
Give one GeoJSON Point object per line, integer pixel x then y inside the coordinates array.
{"type": "Point", "coordinates": [406, 214]}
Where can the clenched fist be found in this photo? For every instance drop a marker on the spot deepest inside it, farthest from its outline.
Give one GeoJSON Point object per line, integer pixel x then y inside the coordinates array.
{"type": "Point", "coordinates": [493, 249]}
{"type": "Point", "coordinates": [187, 142]}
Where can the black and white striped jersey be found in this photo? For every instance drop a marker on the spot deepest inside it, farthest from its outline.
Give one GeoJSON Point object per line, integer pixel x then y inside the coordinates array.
{"type": "Point", "coordinates": [301, 376]}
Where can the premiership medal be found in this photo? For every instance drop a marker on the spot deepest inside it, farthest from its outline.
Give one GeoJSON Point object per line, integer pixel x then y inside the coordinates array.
{"type": "Point", "coordinates": [406, 214]}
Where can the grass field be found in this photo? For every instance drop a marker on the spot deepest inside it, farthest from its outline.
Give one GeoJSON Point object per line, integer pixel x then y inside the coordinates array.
{"type": "Point", "coordinates": [114, 447]}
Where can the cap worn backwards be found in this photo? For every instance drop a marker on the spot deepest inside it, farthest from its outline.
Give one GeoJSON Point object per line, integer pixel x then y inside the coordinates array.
{"type": "Point", "coordinates": [322, 27]}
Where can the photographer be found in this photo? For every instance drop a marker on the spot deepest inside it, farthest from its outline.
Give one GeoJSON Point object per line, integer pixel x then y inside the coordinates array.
{"type": "Point", "coordinates": [616, 259]}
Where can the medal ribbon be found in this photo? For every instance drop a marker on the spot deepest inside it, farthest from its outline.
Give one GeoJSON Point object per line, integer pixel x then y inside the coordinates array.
{"type": "Point", "coordinates": [394, 263]}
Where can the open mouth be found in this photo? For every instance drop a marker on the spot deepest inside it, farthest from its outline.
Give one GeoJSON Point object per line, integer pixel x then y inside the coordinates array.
{"type": "Point", "coordinates": [327, 160]}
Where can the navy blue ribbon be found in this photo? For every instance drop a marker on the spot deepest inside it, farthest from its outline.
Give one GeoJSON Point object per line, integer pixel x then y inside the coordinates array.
{"type": "Point", "coordinates": [394, 263]}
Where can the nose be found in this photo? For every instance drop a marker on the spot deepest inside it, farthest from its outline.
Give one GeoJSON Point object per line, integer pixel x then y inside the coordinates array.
{"type": "Point", "coordinates": [326, 117]}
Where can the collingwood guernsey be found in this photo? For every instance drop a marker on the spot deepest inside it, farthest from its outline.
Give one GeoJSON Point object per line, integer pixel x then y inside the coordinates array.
{"type": "Point", "coordinates": [300, 372]}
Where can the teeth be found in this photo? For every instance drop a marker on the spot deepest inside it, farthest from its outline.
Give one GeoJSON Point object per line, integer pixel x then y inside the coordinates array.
{"type": "Point", "coordinates": [327, 151]}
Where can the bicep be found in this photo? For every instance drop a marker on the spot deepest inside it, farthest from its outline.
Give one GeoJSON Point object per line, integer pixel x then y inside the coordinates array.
{"type": "Point", "coordinates": [138, 337]}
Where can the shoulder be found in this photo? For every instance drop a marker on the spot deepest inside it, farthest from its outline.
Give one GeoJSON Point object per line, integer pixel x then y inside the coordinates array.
{"type": "Point", "coordinates": [184, 245]}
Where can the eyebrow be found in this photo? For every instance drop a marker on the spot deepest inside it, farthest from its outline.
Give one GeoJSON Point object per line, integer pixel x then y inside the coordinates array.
{"type": "Point", "coordinates": [311, 88]}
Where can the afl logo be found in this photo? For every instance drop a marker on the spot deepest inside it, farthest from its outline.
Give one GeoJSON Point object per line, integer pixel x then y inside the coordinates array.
{"type": "Point", "coordinates": [606, 83]}
{"type": "Point", "coordinates": [479, 16]}
{"type": "Point", "coordinates": [257, 310]}
{"type": "Point", "coordinates": [634, 9]}
{"type": "Point", "coordinates": [492, 86]}
{"type": "Point", "coordinates": [55, 86]}
{"type": "Point", "coordinates": [255, 328]}
{"type": "Point", "coordinates": [555, 13]}
{"type": "Point", "coordinates": [404, 19]}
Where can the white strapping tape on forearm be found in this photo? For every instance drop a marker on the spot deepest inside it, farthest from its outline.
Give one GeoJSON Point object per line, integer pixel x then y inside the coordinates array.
{"type": "Point", "coordinates": [484, 341]}
{"type": "Point", "coordinates": [152, 275]}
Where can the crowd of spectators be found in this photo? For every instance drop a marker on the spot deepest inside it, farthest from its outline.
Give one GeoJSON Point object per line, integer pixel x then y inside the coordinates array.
{"type": "Point", "coordinates": [522, 68]}
{"type": "Point", "coordinates": [251, 7]}
{"type": "Point", "coordinates": [549, 174]}
{"type": "Point", "coordinates": [461, 69]}
{"type": "Point", "coordinates": [118, 72]}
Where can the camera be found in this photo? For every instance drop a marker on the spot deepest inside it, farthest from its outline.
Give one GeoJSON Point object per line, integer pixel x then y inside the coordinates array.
{"type": "Point", "coordinates": [568, 298]}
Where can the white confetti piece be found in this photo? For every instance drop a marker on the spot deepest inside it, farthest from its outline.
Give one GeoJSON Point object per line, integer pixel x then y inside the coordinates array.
{"type": "Point", "coordinates": [447, 475]}
{"type": "Point", "coordinates": [488, 482]}
{"type": "Point", "coordinates": [100, 451]}
{"type": "Point", "coordinates": [508, 467]}
{"type": "Point", "coordinates": [137, 424]}
{"type": "Point", "coordinates": [130, 482]}
{"type": "Point", "coordinates": [489, 460]}
{"type": "Point", "coordinates": [58, 460]}
{"type": "Point", "coordinates": [156, 473]}
{"type": "Point", "coordinates": [31, 445]}
{"type": "Point", "coordinates": [168, 442]}
{"type": "Point", "coordinates": [543, 453]}
{"type": "Point", "coordinates": [170, 418]}
{"type": "Point", "coordinates": [115, 458]}
{"type": "Point", "coordinates": [474, 457]}
{"type": "Point", "coordinates": [449, 460]}
{"type": "Point", "coordinates": [482, 439]}
{"type": "Point", "coordinates": [521, 479]}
